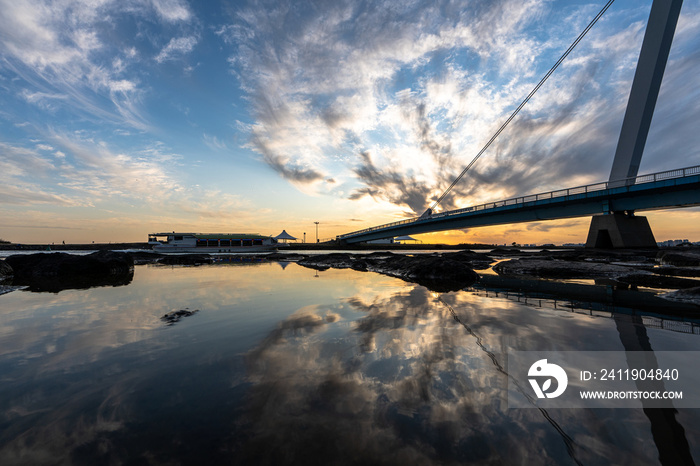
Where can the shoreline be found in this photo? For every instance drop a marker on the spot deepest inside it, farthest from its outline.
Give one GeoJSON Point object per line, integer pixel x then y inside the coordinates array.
{"type": "Point", "coordinates": [673, 272]}
{"type": "Point", "coordinates": [291, 247]}
{"type": "Point", "coordinates": [329, 246]}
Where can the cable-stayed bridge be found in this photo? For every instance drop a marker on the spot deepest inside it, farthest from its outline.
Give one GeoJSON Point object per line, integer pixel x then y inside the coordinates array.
{"type": "Point", "coordinates": [663, 190]}
{"type": "Point", "coordinates": [612, 203]}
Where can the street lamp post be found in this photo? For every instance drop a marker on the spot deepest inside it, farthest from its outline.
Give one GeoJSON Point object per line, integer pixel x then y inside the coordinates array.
{"type": "Point", "coordinates": [316, 231]}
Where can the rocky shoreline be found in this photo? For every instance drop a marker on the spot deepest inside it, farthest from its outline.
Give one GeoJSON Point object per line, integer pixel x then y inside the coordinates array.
{"type": "Point", "coordinates": [676, 272]}
{"type": "Point", "coordinates": [54, 272]}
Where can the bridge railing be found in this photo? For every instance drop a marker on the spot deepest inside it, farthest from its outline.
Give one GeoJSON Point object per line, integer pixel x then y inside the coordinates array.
{"type": "Point", "coordinates": [585, 189]}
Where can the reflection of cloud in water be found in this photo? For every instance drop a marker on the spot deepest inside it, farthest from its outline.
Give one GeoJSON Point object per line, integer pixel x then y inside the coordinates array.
{"type": "Point", "coordinates": [366, 369]}
{"type": "Point", "coordinates": [409, 385]}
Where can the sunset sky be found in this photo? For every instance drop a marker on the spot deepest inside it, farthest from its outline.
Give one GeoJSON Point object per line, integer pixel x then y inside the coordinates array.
{"type": "Point", "coordinates": [120, 118]}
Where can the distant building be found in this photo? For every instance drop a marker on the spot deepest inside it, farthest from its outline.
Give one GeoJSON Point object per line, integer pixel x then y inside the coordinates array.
{"type": "Point", "coordinates": [381, 241]}
{"type": "Point", "coordinates": [673, 242]}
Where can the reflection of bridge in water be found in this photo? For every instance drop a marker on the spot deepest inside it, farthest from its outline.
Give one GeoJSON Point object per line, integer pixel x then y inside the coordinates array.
{"type": "Point", "coordinates": [632, 313]}
{"type": "Point", "coordinates": [611, 203]}
{"type": "Point", "coordinates": [559, 296]}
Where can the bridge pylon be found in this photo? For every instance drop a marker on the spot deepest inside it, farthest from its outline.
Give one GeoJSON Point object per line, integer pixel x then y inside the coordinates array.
{"type": "Point", "coordinates": [620, 230]}
{"type": "Point", "coordinates": [623, 230]}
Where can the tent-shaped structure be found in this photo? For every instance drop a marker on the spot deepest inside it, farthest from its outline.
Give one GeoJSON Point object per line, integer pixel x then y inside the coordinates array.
{"type": "Point", "coordinates": [403, 239]}
{"type": "Point", "coordinates": [284, 236]}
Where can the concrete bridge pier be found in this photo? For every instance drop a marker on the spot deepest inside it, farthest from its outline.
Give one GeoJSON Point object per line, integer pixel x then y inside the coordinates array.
{"type": "Point", "coordinates": [624, 230]}
{"type": "Point", "coordinates": [620, 230]}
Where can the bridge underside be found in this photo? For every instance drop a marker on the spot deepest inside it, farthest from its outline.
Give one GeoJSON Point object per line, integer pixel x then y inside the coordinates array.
{"type": "Point", "coordinates": [663, 194]}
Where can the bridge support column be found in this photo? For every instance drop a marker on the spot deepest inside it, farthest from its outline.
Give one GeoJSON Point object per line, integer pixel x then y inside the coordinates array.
{"type": "Point", "coordinates": [620, 230]}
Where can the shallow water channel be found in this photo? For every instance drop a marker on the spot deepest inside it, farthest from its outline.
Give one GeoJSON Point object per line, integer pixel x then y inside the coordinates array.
{"type": "Point", "coordinates": [286, 365]}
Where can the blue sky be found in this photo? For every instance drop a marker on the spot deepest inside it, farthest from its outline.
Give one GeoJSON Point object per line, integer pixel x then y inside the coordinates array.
{"type": "Point", "coordinates": [120, 118]}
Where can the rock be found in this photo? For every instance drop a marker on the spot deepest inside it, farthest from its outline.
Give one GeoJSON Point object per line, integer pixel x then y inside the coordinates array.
{"type": "Point", "coordinates": [474, 259]}
{"type": "Point", "coordinates": [175, 316]}
{"type": "Point", "coordinates": [9, 288]}
{"type": "Point", "coordinates": [61, 264]}
{"type": "Point", "coordinates": [5, 270]}
{"type": "Point", "coordinates": [689, 295]}
{"type": "Point", "coordinates": [58, 271]}
{"type": "Point", "coordinates": [682, 259]}
{"type": "Point", "coordinates": [501, 251]}
{"type": "Point", "coordinates": [327, 261]}
{"type": "Point", "coordinates": [676, 271]}
{"type": "Point", "coordinates": [434, 272]}
{"type": "Point", "coordinates": [560, 269]}
{"type": "Point", "coordinates": [650, 280]}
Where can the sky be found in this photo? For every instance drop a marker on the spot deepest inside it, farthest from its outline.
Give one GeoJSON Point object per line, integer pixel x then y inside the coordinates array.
{"type": "Point", "coordinates": [120, 118]}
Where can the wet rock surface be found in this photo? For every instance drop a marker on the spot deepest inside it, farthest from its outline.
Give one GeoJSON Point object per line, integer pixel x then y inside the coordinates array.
{"type": "Point", "coordinates": [9, 288]}
{"type": "Point", "coordinates": [174, 317]}
{"type": "Point", "coordinates": [61, 264]}
{"type": "Point", "coordinates": [6, 271]}
{"type": "Point", "coordinates": [58, 271]}
{"type": "Point", "coordinates": [670, 269]}
{"type": "Point", "coordinates": [652, 280]}
{"type": "Point", "coordinates": [557, 268]}
{"type": "Point", "coordinates": [622, 269]}
{"type": "Point", "coordinates": [689, 295]}
{"type": "Point", "coordinates": [679, 258]}
{"type": "Point", "coordinates": [435, 272]}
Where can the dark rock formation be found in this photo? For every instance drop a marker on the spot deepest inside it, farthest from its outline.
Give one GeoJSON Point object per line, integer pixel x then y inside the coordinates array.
{"type": "Point", "coordinates": [284, 257]}
{"type": "Point", "coordinates": [59, 271]}
{"type": "Point", "coordinates": [432, 271]}
{"type": "Point", "coordinates": [682, 259]}
{"type": "Point", "coordinates": [174, 317]}
{"type": "Point", "coordinates": [61, 264]}
{"type": "Point", "coordinates": [5, 270]}
{"type": "Point", "coordinates": [327, 261]}
{"type": "Point", "coordinates": [474, 259]}
{"type": "Point", "coordinates": [619, 274]}
{"type": "Point", "coordinates": [560, 268]}
{"type": "Point", "coordinates": [650, 280]}
{"type": "Point", "coordinates": [689, 295]}
{"type": "Point", "coordinates": [9, 288]}
{"type": "Point", "coordinates": [676, 271]}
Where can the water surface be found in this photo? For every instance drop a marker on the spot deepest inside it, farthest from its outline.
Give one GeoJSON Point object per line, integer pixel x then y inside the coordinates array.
{"type": "Point", "coordinates": [285, 365]}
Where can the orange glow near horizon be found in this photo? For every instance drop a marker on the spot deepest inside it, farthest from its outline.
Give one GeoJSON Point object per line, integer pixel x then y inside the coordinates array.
{"type": "Point", "coordinates": [666, 225]}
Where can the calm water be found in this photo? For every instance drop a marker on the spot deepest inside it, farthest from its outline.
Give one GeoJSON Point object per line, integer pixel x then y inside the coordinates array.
{"type": "Point", "coordinates": [285, 365]}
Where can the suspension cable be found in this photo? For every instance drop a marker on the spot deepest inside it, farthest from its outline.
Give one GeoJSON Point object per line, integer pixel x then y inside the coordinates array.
{"type": "Point", "coordinates": [522, 104]}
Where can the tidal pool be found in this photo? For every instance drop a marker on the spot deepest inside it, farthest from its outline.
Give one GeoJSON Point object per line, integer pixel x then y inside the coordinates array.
{"type": "Point", "coordinates": [285, 365]}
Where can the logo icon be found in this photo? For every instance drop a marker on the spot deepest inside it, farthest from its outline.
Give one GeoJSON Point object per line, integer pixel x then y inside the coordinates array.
{"type": "Point", "coordinates": [543, 370]}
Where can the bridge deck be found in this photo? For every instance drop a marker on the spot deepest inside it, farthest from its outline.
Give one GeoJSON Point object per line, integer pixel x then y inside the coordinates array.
{"type": "Point", "coordinates": [663, 190]}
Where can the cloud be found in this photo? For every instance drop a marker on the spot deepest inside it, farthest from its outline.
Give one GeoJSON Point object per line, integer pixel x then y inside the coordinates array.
{"type": "Point", "coordinates": [389, 184]}
{"type": "Point", "coordinates": [87, 172]}
{"type": "Point", "coordinates": [44, 100]}
{"type": "Point", "coordinates": [214, 143]}
{"type": "Point", "coordinates": [412, 382]}
{"type": "Point", "coordinates": [283, 165]}
{"type": "Point", "coordinates": [176, 46]}
{"type": "Point", "coordinates": [23, 173]}
{"type": "Point", "coordinates": [71, 54]}
{"type": "Point", "coordinates": [172, 10]}
{"type": "Point", "coordinates": [102, 173]}
{"type": "Point", "coordinates": [422, 86]}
